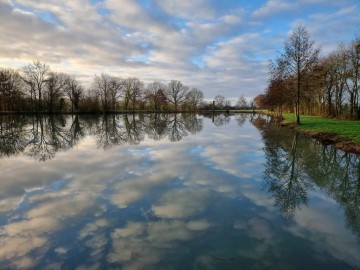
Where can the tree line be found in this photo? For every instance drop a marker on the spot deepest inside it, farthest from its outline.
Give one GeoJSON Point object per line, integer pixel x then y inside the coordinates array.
{"type": "Point", "coordinates": [304, 82]}
{"type": "Point", "coordinates": [35, 88]}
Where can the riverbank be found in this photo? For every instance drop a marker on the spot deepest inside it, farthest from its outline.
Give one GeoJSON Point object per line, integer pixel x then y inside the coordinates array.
{"type": "Point", "coordinates": [343, 134]}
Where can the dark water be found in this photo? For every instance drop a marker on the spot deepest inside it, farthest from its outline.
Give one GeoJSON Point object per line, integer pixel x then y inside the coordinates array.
{"type": "Point", "coordinates": [174, 192]}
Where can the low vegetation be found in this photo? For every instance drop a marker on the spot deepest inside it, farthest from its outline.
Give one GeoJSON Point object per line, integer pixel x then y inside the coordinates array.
{"type": "Point", "coordinates": [345, 128]}
{"type": "Point", "coordinates": [344, 134]}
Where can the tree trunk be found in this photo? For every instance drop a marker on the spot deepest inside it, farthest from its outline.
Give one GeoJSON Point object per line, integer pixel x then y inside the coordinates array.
{"type": "Point", "coordinates": [39, 101]}
{"type": "Point", "coordinates": [297, 102]}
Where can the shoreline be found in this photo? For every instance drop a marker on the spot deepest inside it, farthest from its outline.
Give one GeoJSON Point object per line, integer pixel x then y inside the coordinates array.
{"type": "Point", "coordinates": [328, 138]}
{"type": "Point", "coordinates": [337, 141]}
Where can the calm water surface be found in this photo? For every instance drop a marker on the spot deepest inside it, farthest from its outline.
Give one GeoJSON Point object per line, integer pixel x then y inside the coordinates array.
{"type": "Point", "coordinates": [173, 192]}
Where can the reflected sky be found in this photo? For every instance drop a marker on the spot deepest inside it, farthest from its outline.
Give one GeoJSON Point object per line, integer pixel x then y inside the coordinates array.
{"type": "Point", "coordinates": [170, 191]}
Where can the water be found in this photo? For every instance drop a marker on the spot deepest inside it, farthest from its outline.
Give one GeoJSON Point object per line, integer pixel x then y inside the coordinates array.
{"type": "Point", "coordinates": [165, 191]}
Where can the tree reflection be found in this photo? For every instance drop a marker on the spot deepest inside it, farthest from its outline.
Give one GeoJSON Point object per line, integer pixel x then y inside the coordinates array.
{"type": "Point", "coordinates": [192, 123]}
{"type": "Point", "coordinates": [76, 131]}
{"type": "Point", "coordinates": [110, 132]}
{"type": "Point", "coordinates": [221, 119]}
{"type": "Point", "coordinates": [338, 173]}
{"type": "Point", "coordinates": [241, 118]}
{"type": "Point", "coordinates": [41, 137]}
{"type": "Point", "coordinates": [155, 126]}
{"type": "Point", "coordinates": [176, 128]}
{"type": "Point", "coordinates": [48, 135]}
{"type": "Point", "coordinates": [13, 136]}
{"type": "Point", "coordinates": [218, 119]}
{"type": "Point", "coordinates": [284, 178]}
{"type": "Point", "coordinates": [296, 165]}
{"type": "Point", "coordinates": [134, 129]}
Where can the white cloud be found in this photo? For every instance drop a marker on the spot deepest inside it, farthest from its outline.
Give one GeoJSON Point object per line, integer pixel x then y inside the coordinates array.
{"type": "Point", "coordinates": [132, 15]}
{"type": "Point", "coordinates": [187, 9]}
{"type": "Point", "coordinates": [273, 7]}
{"type": "Point", "coordinates": [221, 49]}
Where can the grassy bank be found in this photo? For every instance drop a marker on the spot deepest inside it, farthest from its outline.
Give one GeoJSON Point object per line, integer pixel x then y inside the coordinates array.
{"type": "Point", "coordinates": [345, 134]}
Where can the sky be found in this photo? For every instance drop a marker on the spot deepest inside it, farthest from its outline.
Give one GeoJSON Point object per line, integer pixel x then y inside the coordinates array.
{"type": "Point", "coordinates": [221, 47]}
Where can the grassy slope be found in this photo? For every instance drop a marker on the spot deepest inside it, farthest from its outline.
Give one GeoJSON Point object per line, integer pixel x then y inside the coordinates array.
{"type": "Point", "coordinates": [343, 128]}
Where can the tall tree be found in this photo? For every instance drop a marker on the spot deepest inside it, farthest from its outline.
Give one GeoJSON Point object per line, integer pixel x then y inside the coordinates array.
{"type": "Point", "coordinates": [329, 65]}
{"type": "Point", "coordinates": [242, 103]}
{"type": "Point", "coordinates": [10, 89]}
{"type": "Point", "coordinates": [36, 76]}
{"type": "Point", "coordinates": [353, 83]}
{"type": "Point", "coordinates": [276, 97]}
{"type": "Point", "coordinates": [101, 84]}
{"type": "Point", "coordinates": [155, 94]}
{"type": "Point", "coordinates": [54, 90]}
{"type": "Point", "coordinates": [132, 91]}
{"type": "Point", "coordinates": [194, 97]}
{"type": "Point", "coordinates": [160, 99]}
{"type": "Point", "coordinates": [219, 101]}
{"type": "Point", "coordinates": [260, 101]}
{"type": "Point", "coordinates": [115, 90]}
{"type": "Point", "coordinates": [74, 92]}
{"type": "Point", "coordinates": [300, 55]}
{"type": "Point", "coordinates": [109, 88]}
{"type": "Point", "coordinates": [176, 93]}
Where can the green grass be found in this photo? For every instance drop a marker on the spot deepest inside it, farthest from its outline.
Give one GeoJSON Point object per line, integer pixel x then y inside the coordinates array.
{"type": "Point", "coordinates": [344, 128]}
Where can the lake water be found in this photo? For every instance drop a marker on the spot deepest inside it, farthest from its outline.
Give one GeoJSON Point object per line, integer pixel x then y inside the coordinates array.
{"type": "Point", "coordinates": [166, 191]}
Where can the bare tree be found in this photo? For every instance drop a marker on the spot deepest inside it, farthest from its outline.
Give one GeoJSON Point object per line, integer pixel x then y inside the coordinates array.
{"type": "Point", "coordinates": [194, 97]}
{"type": "Point", "coordinates": [132, 91]}
{"type": "Point", "coordinates": [155, 94]}
{"type": "Point", "coordinates": [101, 84]}
{"type": "Point", "coordinates": [137, 93]}
{"type": "Point", "coordinates": [90, 101]}
{"type": "Point", "coordinates": [328, 66]}
{"type": "Point", "coordinates": [242, 103]}
{"type": "Point", "coordinates": [342, 72]}
{"type": "Point", "coordinates": [219, 101]}
{"type": "Point", "coordinates": [160, 99]}
{"type": "Point", "coordinates": [54, 91]}
{"type": "Point", "coordinates": [74, 91]}
{"type": "Point", "coordinates": [115, 90]}
{"type": "Point", "coordinates": [10, 89]}
{"type": "Point", "coordinates": [299, 57]}
{"type": "Point", "coordinates": [36, 75]}
{"type": "Point", "coordinates": [353, 82]}
{"type": "Point", "coordinates": [176, 93]}
{"type": "Point", "coordinates": [109, 89]}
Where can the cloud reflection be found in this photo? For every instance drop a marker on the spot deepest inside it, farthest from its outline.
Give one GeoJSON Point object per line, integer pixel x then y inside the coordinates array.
{"type": "Point", "coordinates": [152, 204]}
{"type": "Point", "coordinates": [143, 245]}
